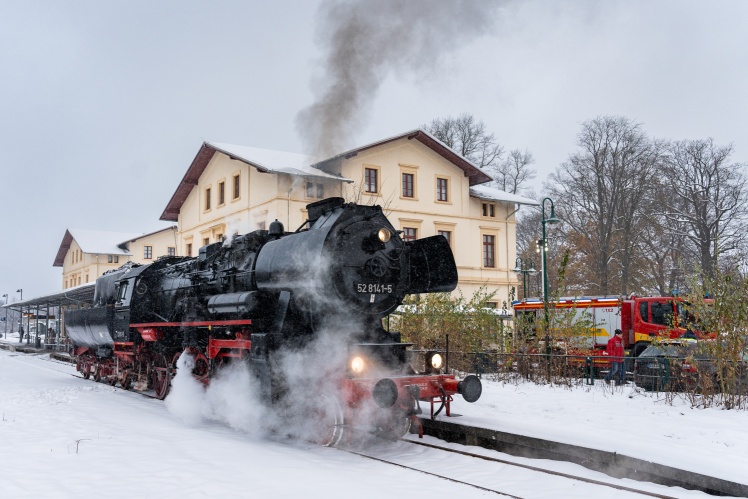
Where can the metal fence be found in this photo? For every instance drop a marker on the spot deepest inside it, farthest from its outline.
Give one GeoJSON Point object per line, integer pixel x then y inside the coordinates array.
{"type": "Point", "coordinates": [684, 375]}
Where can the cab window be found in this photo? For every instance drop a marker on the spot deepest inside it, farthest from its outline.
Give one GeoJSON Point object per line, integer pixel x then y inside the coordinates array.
{"type": "Point", "coordinates": [662, 313]}
{"type": "Point", "coordinates": [122, 291]}
{"type": "Point", "coordinates": [644, 311]}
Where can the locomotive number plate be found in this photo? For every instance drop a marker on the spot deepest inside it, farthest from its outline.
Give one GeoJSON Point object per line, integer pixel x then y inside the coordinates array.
{"type": "Point", "coordinates": [374, 288]}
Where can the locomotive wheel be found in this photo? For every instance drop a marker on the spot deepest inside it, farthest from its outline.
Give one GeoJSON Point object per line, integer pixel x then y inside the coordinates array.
{"type": "Point", "coordinates": [202, 367]}
{"type": "Point", "coordinates": [126, 381]}
{"type": "Point", "coordinates": [160, 377]}
{"type": "Point", "coordinates": [97, 373]}
{"type": "Point", "coordinates": [397, 428]}
{"type": "Point", "coordinates": [329, 422]}
{"type": "Point", "coordinates": [86, 371]}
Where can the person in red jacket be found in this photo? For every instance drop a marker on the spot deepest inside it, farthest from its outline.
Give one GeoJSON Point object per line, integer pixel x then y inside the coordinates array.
{"type": "Point", "coordinates": [615, 354]}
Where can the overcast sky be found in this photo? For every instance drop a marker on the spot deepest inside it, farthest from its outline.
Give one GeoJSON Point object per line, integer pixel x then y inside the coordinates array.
{"type": "Point", "coordinates": [103, 105]}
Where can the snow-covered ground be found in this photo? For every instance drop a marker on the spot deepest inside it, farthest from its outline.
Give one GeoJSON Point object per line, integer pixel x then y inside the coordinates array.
{"type": "Point", "coordinates": [62, 436]}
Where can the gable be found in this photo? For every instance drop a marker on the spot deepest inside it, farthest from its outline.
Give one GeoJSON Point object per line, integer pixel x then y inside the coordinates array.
{"type": "Point", "coordinates": [264, 160]}
{"type": "Point", "coordinates": [475, 175]}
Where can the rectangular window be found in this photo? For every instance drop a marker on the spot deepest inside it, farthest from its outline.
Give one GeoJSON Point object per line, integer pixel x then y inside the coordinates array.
{"type": "Point", "coordinates": [188, 249]}
{"type": "Point", "coordinates": [236, 186]}
{"type": "Point", "coordinates": [171, 251]}
{"type": "Point", "coordinates": [122, 291]}
{"type": "Point", "coordinates": [207, 198]}
{"type": "Point", "coordinates": [446, 235]}
{"type": "Point", "coordinates": [206, 241]}
{"type": "Point", "coordinates": [488, 251]}
{"type": "Point", "coordinates": [662, 313]}
{"type": "Point", "coordinates": [147, 252]}
{"type": "Point", "coordinates": [116, 259]}
{"type": "Point", "coordinates": [441, 189]}
{"type": "Point", "coordinates": [370, 180]}
{"type": "Point", "coordinates": [489, 210]}
{"type": "Point", "coordinates": [221, 193]}
{"type": "Point", "coordinates": [407, 185]}
{"type": "Point", "coordinates": [410, 234]}
{"type": "Point", "coordinates": [110, 259]}
{"type": "Point", "coordinates": [315, 190]}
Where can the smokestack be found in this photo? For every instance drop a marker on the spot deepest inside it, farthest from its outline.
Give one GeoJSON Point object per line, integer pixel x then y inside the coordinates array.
{"type": "Point", "coordinates": [364, 42]}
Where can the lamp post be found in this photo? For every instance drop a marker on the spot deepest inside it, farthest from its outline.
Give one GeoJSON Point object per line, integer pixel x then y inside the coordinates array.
{"type": "Point", "coordinates": [544, 248]}
{"type": "Point", "coordinates": [20, 328]}
{"type": "Point", "coordinates": [524, 268]}
{"type": "Point", "coordinates": [5, 329]}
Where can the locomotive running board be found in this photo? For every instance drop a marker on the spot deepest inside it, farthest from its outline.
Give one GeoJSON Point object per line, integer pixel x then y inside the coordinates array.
{"type": "Point", "coordinates": [239, 322]}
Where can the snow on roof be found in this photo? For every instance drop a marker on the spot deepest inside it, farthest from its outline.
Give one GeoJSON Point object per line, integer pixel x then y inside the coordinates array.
{"type": "Point", "coordinates": [275, 161]}
{"type": "Point", "coordinates": [103, 242]}
{"type": "Point", "coordinates": [491, 194]}
{"type": "Point", "coordinates": [100, 242]}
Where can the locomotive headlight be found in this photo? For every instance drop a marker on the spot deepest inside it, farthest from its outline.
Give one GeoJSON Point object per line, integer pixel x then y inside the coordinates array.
{"type": "Point", "coordinates": [434, 362]}
{"type": "Point", "coordinates": [358, 364]}
{"type": "Point", "coordinates": [376, 239]}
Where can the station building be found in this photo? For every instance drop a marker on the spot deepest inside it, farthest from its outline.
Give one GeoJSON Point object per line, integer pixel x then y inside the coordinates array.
{"type": "Point", "coordinates": [424, 187]}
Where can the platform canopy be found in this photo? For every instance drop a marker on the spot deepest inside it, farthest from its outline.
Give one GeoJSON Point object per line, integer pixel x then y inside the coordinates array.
{"type": "Point", "coordinates": [82, 295]}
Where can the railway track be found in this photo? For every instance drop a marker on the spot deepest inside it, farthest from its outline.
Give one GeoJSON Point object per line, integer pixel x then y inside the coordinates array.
{"type": "Point", "coordinates": [542, 470]}
{"type": "Point", "coordinates": [596, 487]}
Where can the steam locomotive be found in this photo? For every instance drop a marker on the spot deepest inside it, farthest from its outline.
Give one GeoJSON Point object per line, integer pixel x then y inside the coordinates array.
{"type": "Point", "coordinates": [259, 297]}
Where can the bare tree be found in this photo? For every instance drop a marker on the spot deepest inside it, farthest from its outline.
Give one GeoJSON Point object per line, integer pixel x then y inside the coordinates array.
{"type": "Point", "coordinates": [467, 136]}
{"type": "Point", "coordinates": [514, 172]}
{"type": "Point", "coordinates": [709, 200]}
{"type": "Point", "coordinates": [599, 193]}
{"type": "Point", "coordinates": [663, 249]}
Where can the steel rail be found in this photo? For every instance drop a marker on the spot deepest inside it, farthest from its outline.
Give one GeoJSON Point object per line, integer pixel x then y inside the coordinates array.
{"type": "Point", "coordinates": [540, 470]}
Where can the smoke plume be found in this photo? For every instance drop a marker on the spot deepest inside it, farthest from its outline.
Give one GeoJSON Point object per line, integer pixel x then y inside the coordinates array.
{"type": "Point", "coordinates": [364, 42]}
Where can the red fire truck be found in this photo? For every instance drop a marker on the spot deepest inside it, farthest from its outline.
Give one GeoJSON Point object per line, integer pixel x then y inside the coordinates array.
{"type": "Point", "coordinates": [642, 319]}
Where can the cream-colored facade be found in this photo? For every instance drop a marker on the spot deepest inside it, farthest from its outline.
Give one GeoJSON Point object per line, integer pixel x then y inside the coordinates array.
{"type": "Point", "coordinates": [424, 188]}
{"type": "Point", "coordinates": [85, 255]}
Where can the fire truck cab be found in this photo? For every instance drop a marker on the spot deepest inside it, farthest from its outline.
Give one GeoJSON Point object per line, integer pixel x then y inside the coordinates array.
{"type": "Point", "coordinates": [642, 319]}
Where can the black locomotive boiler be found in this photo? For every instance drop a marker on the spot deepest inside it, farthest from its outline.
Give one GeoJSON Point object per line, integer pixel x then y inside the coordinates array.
{"type": "Point", "coordinates": [258, 296]}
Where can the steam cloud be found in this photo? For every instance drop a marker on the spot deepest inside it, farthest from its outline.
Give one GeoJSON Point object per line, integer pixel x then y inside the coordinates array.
{"type": "Point", "coordinates": [364, 42]}
{"type": "Point", "coordinates": [231, 398]}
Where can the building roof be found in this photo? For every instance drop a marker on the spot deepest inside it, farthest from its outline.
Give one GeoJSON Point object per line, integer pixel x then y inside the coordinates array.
{"type": "Point", "coordinates": [304, 165]}
{"type": "Point", "coordinates": [99, 242]}
{"type": "Point", "coordinates": [78, 295]}
{"type": "Point", "coordinates": [264, 160]}
{"type": "Point", "coordinates": [473, 172]}
{"type": "Point", "coordinates": [491, 194]}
